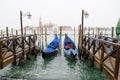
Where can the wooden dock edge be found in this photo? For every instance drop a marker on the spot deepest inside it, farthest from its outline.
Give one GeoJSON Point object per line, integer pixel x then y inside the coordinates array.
{"type": "Point", "coordinates": [104, 70]}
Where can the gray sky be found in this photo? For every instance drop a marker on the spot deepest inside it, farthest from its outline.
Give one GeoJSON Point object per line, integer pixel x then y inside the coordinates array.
{"type": "Point", "coordinates": [102, 13]}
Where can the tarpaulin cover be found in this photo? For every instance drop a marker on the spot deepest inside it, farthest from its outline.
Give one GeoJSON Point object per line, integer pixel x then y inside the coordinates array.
{"type": "Point", "coordinates": [55, 43]}
{"type": "Point", "coordinates": [68, 41]}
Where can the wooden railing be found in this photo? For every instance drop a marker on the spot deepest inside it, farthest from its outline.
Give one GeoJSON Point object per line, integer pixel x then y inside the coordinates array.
{"type": "Point", "coordinates": [105, 52]}
{"type": "Point", "coordinates": [12, 48]}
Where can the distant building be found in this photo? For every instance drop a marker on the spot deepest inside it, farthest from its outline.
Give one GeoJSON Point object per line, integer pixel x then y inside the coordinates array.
{"type": "Point", "coordinates": [66, 28]}
{"type": "Point", "coordinates": [48, 26]}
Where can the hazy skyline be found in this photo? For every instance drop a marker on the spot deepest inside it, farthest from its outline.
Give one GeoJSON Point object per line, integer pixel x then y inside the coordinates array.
{"type": "Point", "coordinates": [102, 13]}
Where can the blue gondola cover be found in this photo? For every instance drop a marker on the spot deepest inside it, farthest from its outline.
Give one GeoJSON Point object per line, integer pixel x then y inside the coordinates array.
{"type": "Point", "coordinates": [55, 43]}
{"type": "Point", "coordinates": [70, 48]}
{"type": "Point", "coordinates": [67, 40]}
{"type": "Point", "coordinates": [51, 48]}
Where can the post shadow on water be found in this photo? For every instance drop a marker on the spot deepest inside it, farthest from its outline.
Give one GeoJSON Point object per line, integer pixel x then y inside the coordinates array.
{"type": "Point", "coordinates": [71, 62]}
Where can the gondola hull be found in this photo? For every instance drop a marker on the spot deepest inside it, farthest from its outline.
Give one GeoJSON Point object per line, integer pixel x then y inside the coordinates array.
{"type": "Point", "coordinates": [52, 48]}
{"type": "Point", "coordinates": [70, 50]}
{"type": "Point", "coordinates": [49, 52]}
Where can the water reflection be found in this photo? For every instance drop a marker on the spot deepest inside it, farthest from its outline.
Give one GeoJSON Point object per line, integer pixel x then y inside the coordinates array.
{"type": "Point", "coordinates": [54, 67]}
{"type": "Point", "coordinates": [71, 62]}
{"type": "Point", "coordinates": [47, 61]}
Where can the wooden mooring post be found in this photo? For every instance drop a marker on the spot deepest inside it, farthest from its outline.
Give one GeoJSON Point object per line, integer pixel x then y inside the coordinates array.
{"type": "Point", "coordinates": [42, 39]}
{"type": "Point", "coordinates": [21, 60]}
{"type": "Point", "coordinates": [112, 32]}
{"type": "Point", "coordinates": [1, 58]}
{"type": "Point", "coordinates": [7, 32]}
{"type": "Point", "coordinates": [45, 36]}
{"type": "Point", "coordinates": [93, 33]}
{"type": "Point", "coordinates": [16, 32]}
{"type": "Point", "coordinates": [38, 34]}
{"type": "Point", "coordinates": [1, 33]}
{"type": "Point", "coordinates": [60, 39]}
{"type": "Point", "coordinates": [34, 43]}
{"type": "Point", "coordinates": [25, 31]}
{"type": "Point", "coordinates": [74, 34]}
{"type": "Point", "coordinates": [79, 41]}
{"type": "Point", "coordinates": [98, 29]}
{"type": "Point", "coordinates": [14, 51]}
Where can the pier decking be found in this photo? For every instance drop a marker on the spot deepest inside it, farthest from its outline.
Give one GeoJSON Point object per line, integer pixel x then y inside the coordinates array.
{"type": "Point", "coordinates": [104, 51]}
{"type": "Point", "coordinates": [16, 47]}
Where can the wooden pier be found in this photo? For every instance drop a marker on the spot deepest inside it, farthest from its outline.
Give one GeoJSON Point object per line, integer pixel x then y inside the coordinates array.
{"type": "Point", "coordinates": [13, 48]}
{"type": "Point", "coordinates": [105, 53]}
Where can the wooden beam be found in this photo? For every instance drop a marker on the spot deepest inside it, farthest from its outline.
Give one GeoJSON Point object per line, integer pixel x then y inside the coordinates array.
{"type": "Point", "coordinates": [74, 34]}
{"type": "Point", "coordinates": [117, 64]}
{"type": "Point", "coordinates": [1, 58]}
{"type": "Point", "coordinates": [60, 39]}
{"type": "Point", "coordinates": [112, 32]}
{"type": "Point", "coordinates": [7, 31]}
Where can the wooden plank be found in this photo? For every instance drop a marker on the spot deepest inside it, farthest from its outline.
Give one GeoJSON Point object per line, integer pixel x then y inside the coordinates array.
{"type": "Point", "coordinates": [117, 64]}
{"type": "Point", "coordinates": [74, 34]}
{"type": "Point", "coordinates": [60, 39]}
{"type": "Point", "coordinates": [1, 58]}
{"type": "Point", "coordinates": [7, 31]}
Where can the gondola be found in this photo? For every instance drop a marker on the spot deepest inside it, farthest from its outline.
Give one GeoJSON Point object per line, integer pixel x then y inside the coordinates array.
{"type": "Point", "coordinates": [52, 48]}
{"type": "Point", "coordinates": [70, 50]}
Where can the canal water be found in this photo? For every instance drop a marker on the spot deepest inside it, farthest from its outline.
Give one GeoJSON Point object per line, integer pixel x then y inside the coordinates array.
{"type": "Point", "coordinates": [53, 68]}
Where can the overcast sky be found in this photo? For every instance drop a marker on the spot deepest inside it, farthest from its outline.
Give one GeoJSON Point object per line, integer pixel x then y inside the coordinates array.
{"type": "Point", "coordinates": [102, 13]}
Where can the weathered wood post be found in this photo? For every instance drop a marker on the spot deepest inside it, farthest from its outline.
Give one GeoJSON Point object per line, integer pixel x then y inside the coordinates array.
{"type": "Point", "coordinates": [74, 34]}
{"type": "Point", "coordinates": [6, 31]}
{"type": "Point", "coordinates": [112, 31]}
{"type": "Point", "coordinates": [101, 55]}
{"type": "Point", "coordinates": [24, 30]}
{"type": "Point", "coordinates": [98, 31]}
{"type": "Point", "coordinates": [42, 39]}
{"type": "Point", "coordinates": [16, 32]}
{"type": "Point", "coordinates": [80, 41]}
{"type": "Point", "coordinates": [38, 32]}
{"type": "Point", "coordinates": [14, 50]}
{"type": "Point", "coordinates": [93, 56]}
{"type": "Point", "coordinates": [1, 33]}
{"type": "Point", "coordinates": [88, 31]}
{"type": "Point", "coordinates": [35, 37]}
{"type": "Point", "coordinates": [45, 36]}
{"type": "Point", "coordinates": [93, 32]}
{"type": "Point", "coordinates": [117, 64]}
{"type": "Point", "coordinates": [60, 39]}
{"type": "Point", "coordinates": [21, 60]}
{"type": "Point", "coordinates": [7, 35]}
{"type": "Point", "coordinates": [78, 37]}
{"type": "Point", "coordinates": [28, 55]}
{"type": "Point", "coordinates": [1, 58]}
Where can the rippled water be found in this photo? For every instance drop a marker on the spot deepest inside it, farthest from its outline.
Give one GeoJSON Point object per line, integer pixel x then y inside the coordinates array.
{"type": "Point", "coordinates": [57, 67]}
